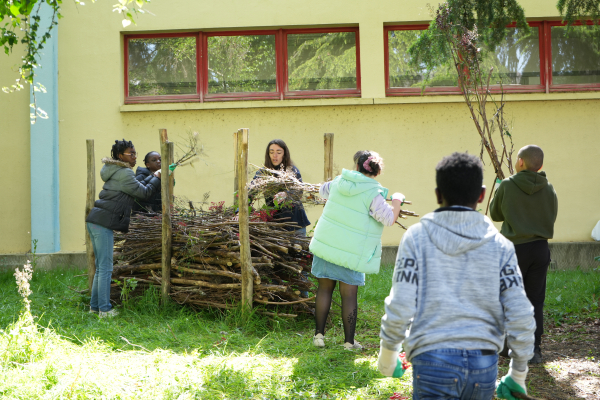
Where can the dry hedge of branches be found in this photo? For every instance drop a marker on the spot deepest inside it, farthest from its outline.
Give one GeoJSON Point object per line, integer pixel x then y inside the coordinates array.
{"type": "Point", "coordinates": [206, 269]}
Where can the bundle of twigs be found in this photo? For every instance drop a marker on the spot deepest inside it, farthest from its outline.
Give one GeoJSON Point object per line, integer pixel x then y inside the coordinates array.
{"type": "Point", "coordinates": [206, 269]}
{"type": "Point", "coordinates": [269, 182]}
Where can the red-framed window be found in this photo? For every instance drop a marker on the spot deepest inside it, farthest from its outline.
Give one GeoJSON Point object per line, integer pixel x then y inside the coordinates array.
{"type": "Point", "coordinates": [242, 65]}
{"type": "Point", "coordinates": [573, 62]}
{"type": "Point", "coordinates": [547, 60]}
{"type": "Point", "coordinates": [517, 62]}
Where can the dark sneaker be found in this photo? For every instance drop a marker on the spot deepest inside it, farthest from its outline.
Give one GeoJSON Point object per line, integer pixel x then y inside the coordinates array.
{"type": "Point", "coordinates": [537, 356]}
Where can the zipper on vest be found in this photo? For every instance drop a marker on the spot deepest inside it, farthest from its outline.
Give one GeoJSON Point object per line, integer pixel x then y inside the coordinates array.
{"type": "Point", "coordinates": [372, 254]}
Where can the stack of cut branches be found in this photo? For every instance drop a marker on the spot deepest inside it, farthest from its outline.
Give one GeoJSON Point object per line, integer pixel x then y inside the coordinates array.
{"type": "Point", "coordinates": [206, 269]}
{"type": "Point", "coordinates": [269, 182]}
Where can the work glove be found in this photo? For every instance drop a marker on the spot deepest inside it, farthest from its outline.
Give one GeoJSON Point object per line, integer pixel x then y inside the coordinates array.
{"type": "Point", "coordinates": [399, 196]}
{"type": "Point", "coordinates": [514, 381]}
{"type": "Point", "coordinates": [172, 167]}
{"type": "Point", "coordinates": [498, 181]}
{"type": "Point", "coordinates": [390, 363]}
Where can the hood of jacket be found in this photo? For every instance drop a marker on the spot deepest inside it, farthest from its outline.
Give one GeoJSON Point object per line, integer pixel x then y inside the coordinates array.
{"type": "Point", "coordinates": [111, 166]}
{"type": "Point", "coordinates": [142, 171]}
{"type": "Point", "coordinates": [530, 182]}
{"type": "Point", "coordinates": [456, 230]}
{"type": "Point", "coordinates": [352, 183]}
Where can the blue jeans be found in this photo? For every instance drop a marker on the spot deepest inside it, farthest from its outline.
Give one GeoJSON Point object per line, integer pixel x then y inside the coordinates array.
{"type": "Point", "coordinates": [453, 374]}
{"type": "Point", "coordinates": [103, 243]}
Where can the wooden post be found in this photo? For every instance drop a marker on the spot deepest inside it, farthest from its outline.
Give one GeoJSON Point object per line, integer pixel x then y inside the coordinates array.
{"type": "Point", "coordinates": [166, 149]}
{"type": "Point", "coordinates": [89, 204]}
{"type": "Point", "coordinates": [235, 167]}
{"type": "Point", "coordinates": [328, 141]}
{"type": "Point", "coordinates": [241, 137]}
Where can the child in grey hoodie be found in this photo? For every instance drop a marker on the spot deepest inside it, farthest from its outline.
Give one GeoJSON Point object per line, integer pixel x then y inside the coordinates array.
{"type": "Point", "coordinates": [456, 292]}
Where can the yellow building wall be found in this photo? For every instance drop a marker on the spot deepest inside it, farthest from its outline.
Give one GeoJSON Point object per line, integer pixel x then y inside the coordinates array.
{"type": "Point", "coordinates": [412, 135]}
{"type": "Point", "coordinates": [15, 204]}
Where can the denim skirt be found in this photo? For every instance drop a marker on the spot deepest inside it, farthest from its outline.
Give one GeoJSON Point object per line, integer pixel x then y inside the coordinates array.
{"type": "Point", "coordinates": [325, 269]}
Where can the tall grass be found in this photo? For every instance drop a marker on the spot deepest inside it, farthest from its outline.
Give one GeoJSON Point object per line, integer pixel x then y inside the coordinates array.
{"type": "Point", "coordinates": [573, 295]}
{"type": "Point", "coordinates": [172, 352]}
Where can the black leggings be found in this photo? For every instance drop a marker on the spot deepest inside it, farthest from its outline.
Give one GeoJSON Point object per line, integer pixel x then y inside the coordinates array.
{"type": "Point", "coordinates": [349, 306]}
{"type": "Point", "coordinates": [534, 258]}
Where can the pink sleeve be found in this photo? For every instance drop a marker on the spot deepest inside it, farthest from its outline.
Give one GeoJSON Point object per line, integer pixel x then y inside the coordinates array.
{"type": "Point", "coordinates": [381, 211]}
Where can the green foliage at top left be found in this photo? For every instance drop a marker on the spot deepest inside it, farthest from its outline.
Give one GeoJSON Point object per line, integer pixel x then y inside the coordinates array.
{"type": "Point", "coordinates": [22, 24]}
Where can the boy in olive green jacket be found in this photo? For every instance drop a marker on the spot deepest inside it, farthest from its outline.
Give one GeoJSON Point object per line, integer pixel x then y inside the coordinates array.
{"type": "Point", "coordinates": [527, 204]}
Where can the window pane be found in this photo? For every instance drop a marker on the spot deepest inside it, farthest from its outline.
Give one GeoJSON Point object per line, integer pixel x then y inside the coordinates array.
{"type": "Point", "coordinates": [241, 64]}
{"type": "Point", "coordinates": [575, 55]}
{"type": "Point", "coordinates": [402, 74]}
{"type": "Point", "coordinates": [162, 66]}
{"type": "Point", "coordinates": [515, 62]}
{"type": "Point", "coordinates": [321, 61]}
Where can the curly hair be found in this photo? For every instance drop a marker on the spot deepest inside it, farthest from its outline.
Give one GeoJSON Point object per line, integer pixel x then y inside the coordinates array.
{"type": "Point", "coordinates": [119, 148]}
{"type": "Point", "coordinates": [459, 178]}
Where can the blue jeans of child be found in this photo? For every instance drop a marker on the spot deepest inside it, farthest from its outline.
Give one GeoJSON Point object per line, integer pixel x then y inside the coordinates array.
{"type": "Point", "coordinates": [103, 242]}
{"type": "Point", "coordinates": [453, 374]}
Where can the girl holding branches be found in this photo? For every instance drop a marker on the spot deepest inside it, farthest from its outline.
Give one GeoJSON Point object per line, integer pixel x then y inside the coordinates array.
{"type": "Point", "coordinates": [347, 239]}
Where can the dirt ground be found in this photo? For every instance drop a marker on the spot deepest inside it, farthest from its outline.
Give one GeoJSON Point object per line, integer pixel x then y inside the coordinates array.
{"type": "Point", "coordinates": [571, 368]}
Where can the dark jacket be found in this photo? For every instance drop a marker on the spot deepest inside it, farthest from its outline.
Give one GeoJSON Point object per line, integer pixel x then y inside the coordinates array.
{"type": "Point", "coordinates": [294, 213]}
{"type": "Point", "coordinates": [154, 204]}
{"type": "Point", "coordinates": [528, 205]}
{"type": "Point", "coordinates": [113, 208]}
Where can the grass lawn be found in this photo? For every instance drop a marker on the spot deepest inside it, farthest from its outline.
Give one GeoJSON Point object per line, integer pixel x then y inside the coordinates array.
{"type": "Point", "coordinates": [149, 352]}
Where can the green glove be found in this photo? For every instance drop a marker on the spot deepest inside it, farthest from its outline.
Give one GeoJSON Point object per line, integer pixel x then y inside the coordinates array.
{"type": "Point", "coordinates": [172, 167]}
{"type": "Point", "coordinates": [514, 381]}
{"type": "Point", "coordinates": [498, 181]}
{"type": "Point", "coordinates": [399, 371]}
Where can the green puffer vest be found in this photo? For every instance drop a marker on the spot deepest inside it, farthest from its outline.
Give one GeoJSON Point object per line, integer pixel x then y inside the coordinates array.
{"type": "Point", "coordinates": [346, 234]}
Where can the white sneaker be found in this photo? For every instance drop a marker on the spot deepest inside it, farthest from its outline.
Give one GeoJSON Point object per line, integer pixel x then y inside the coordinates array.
{"type": "Point", "coordinates": [352, 346]}
{"type": "Point", "coordinates": [108, 314]}
{"type": "Point", "coordinates": [318, 340]}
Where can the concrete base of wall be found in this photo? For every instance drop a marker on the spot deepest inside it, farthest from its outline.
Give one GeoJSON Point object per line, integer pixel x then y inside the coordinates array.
{"type": "Point", "coordinates": [44, 261]}
{"type": "Point", "coordinates": [565, 255]}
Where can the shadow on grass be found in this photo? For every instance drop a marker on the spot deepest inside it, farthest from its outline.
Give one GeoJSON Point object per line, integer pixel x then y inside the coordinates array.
{"type": "Point", "coordinates": [542, 384]}
{"type": "Point", "coordinates": [333, 371]}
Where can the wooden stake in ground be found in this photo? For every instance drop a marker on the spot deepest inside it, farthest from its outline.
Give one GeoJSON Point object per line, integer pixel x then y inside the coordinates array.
{"type": "Point", "coordinates": [89, 204]}
{"type": "Point", "coordinates": [328, 142]}
{"type": "Point", "coordinates": [241, 172]}
{"type": "Point", "coordinates": [166, 149]}
{"type": "Point", "coordinates": [235, 166]}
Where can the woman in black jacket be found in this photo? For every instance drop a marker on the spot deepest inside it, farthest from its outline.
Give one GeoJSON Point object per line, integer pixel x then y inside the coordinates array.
{"type": "Point", "coordinates": [111, 212]}
{"type": "Point", "coordinates": [152, 162]}
{"type": "Point", "coordinates": [277, 156]}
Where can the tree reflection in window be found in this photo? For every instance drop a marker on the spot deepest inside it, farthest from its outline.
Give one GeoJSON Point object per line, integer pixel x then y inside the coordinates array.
{"type": "Point", "coordinates": [319, 61]}
{"type": "Point", "coordinates": [575, 55]}
{"type": "Point", "coordinates": [162, 66]}
{"type": "Point", "coordinates": [241, 64]}
{"type": "Point", "coordinates": [403, 75]}
{"type": "Point", "coordinates": [516, 61]}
